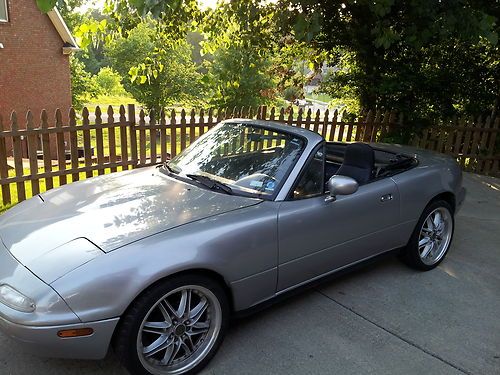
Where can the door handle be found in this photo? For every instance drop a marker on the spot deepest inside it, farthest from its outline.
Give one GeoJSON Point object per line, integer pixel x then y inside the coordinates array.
{"type": "Point", "coordinates": [386, 198]}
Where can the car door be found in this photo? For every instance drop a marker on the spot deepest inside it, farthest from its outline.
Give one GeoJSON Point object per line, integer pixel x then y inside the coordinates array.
{"type": "Point", "coordinates": [317, 236]}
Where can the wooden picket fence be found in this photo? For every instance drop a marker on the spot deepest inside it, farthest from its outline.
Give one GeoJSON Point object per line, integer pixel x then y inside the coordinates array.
{"type": "Point", "coordinates": [40, 154]}
{"type": "Point", "coordinates": [473, 142]}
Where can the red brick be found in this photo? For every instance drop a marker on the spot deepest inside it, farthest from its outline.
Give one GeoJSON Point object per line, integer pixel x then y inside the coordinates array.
{"type": "Point", "coordinates": [34, 73]}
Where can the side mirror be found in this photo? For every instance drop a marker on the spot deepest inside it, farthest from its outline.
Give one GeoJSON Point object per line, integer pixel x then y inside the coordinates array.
{"type": "Point", "coordinates": [341, 185]}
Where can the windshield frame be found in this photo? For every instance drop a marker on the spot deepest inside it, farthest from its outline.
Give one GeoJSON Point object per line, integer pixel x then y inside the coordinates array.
{"type": "Point", "coordinates": [239, 192]}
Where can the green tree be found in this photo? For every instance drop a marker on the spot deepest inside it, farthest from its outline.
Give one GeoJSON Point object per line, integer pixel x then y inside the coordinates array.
{"type": "Point", "coordinates": [172, 76]}
{"type": "Point", "coordinates": [92, 55]}
{"type": "Point", "coordinates": [83, 84]}
{"type": "Point", "coordinates": [109, 82]}
{"type": "Point", "coordinates": [238, 77]}
{"type": "Point", "coordinates": [67, 8]}
{"type": "Point", "coordinates": [430, 59]}
{"type": "Point", "coordinates": [239, 37]}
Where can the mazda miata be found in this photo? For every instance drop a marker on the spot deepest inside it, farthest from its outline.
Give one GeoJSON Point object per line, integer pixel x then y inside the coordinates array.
{"type": "Point", "coordinates": [154, 261]}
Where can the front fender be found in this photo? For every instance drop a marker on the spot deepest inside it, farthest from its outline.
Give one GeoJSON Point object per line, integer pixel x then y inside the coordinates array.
{"type": "Point", "coordinates": [241, 246]}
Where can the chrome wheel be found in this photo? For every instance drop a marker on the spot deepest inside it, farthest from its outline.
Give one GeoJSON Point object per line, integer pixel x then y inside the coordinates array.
{"type": "Point", "coordinates": [435, 236]}
{"type": "Point", "coordinates": [179, 330]}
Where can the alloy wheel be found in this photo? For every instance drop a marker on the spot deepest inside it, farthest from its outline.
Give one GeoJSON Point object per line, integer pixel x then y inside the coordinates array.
{"type": "Point", "coordinates": [435, 236]}
{"type": "Point", "coordinates": [179, 330]}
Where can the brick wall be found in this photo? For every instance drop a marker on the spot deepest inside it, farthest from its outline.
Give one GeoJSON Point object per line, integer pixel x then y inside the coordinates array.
{"type": "Point", "coordinates": [34, 73]}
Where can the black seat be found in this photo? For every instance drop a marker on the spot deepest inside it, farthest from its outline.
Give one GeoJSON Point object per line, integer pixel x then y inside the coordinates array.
{"type": "Point", "coordinates": [359, 162]}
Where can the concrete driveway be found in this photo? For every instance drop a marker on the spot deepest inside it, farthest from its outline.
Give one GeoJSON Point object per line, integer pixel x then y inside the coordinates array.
{"type": "Point", "coordinates": [381, 319]}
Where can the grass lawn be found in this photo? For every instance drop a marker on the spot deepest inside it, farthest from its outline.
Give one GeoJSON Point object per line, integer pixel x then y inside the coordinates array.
{"type": "Point", "coordinates": [106, 100]}
{"type": "Point", "coordinates": [321, 97]}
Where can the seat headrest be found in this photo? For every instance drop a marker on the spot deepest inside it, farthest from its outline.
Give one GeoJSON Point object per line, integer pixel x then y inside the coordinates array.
{"type": "Point", "coordinates": [359, 155]}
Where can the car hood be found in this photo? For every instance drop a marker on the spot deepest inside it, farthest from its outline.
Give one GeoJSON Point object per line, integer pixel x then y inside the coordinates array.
{"type": "Point", "coordinates": [110, 211]}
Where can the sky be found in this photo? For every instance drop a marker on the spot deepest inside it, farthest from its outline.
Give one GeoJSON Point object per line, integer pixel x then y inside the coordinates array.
{"type": "Point", "coordinates": [99, 4]}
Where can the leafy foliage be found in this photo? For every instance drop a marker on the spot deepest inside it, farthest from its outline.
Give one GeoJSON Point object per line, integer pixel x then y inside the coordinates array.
{"type": "Point", "coordinates": [67, 10]}
{"type": "Point", "coordinates": [83, 85]}
{"type": "Point", "coordinates": [238, 77]}
{"type": "Point", "coordinates": [430, 59]}
{"type": "Point", "coordinates": [427, 58]}
{"type": "Point", "coordinates": [239, 38]}
{"type": "Point", "coordinates": [292, 93]}
{"type": "Point", "coordinates": [109, 82]}
{"type": "Point", "coordinates": [173, 78]}
{"type": "Point", "coordinates": [46, 5]}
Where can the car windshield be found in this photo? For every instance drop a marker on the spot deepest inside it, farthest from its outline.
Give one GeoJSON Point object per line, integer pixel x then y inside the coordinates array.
{"type": "Point", "coordinates": [248, 159]}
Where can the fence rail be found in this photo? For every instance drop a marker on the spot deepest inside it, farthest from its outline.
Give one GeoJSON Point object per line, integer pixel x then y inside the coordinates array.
{"type": "Point", "coordinates": [38, 154]}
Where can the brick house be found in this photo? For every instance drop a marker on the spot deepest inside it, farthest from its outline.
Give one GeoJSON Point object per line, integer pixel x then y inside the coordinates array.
{"type": "Point", "coordinates": [34, 60]}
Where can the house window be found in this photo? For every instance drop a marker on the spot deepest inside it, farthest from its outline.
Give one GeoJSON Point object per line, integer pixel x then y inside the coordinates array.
{"type": "Point", "coordinates": [4, 17]}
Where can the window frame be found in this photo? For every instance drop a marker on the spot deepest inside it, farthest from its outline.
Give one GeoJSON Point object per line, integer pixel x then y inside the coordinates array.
{"type": "Point", "coordinates": [306, 165]}
{"type": "Point", "coordinates": [6, 19]}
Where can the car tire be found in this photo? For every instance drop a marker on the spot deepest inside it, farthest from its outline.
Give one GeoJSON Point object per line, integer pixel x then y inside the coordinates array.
{"type": "Point", "coordinates": [431, 238]}
{"type": "Point", "coordinates": [174, 327]}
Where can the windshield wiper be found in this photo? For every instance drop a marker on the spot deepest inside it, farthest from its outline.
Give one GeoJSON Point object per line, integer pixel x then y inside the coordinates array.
{"type": "Point", "coordinates": [169, 168]}
{"type": "Point", "coordinates": [210, 183]}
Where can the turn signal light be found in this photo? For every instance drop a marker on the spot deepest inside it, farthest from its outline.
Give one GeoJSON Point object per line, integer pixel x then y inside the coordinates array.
{"type": "Point", "coordinates": [68, 333]}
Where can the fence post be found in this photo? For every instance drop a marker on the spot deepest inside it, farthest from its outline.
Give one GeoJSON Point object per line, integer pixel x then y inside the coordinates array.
{"type": "Point", "coordinates": [4, 168]}
{"type": "Point", "coordinates": [142, 138]}
{"type": "Point", "coordinates": [281, 117]}
{"type": "Point", "coordinates": [474, 149]}
{"type": "Point", "coordinates": [61, 149]}
{"type": "Point", "coordinates": [87, 143]}
{"type": "Point", "coordinates": [73, 140]}
{"type": "Point", "coordinates": [290, 116]}
{"type": "Point", "coordinates": [123, 139]}
{"type": "Point", "coordinates": [299, 117]}
{"type": "Point", "coordinates": [316, 121]}
{"type": "Point", "coordinates": [324, 127]}
{"type": "Point", "coordinates": [367, 127]}
{"type": "Point", "coordinates": [202, 122]}
{"type": "Point", "coordinates": [491, 163]}
{"type": "Point", "coordinates": [163, 136]}
{"type": "Point", "coordinates": [263, 112]}
{"type": "Point", "coordinates": [482, 145]}
{"type": "Point", "coordinates": [18, 157]}
{"type": "Point", "coordinates": [182, 128]}
{"type": "Point", "coordinates": [133, 134]}
{"type": "Point", "coordinates": [192, 129]}
{"type": "Point", "coordinates": [111, 138]}
{"type": "Point", "coordinates": [173, 134]}
{"type": "Point", "coordinates": [153, 154]}
{"type": "Point", "coordinates": [99, 140]}
{"type": "Point", "coordinates": [466, 144]}
{"type": "Point", "coordinates": [340, 135]}
{"type": "Point", "coordinates": [272, 114]}
{"type": "Point", "coordinates": [32, 153]}
{"type": "Point", "coordinates": [307, 123]}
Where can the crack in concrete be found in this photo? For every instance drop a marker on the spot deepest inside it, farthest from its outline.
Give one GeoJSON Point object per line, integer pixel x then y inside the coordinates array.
{"type": "Point", "coordinates": [411, 343]}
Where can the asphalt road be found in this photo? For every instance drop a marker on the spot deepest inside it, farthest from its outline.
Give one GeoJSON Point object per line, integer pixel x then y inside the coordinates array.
{"type": "Point", "coordinates": [381, 319]}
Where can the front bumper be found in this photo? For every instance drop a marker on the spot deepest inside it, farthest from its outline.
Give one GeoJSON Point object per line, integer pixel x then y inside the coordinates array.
{"type": "Point", "coordinates": [44, 341]}
{"type": "Point", "coordinates": [37, 332]}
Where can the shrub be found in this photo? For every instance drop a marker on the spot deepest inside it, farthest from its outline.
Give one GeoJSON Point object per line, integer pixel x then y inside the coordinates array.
{"type": "Point", "coordinates": [109, 82]}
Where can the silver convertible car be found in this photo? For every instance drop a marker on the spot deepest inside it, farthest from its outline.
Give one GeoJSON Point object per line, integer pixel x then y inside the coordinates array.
{"type": "Point", "coordinates": [154, 261]}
